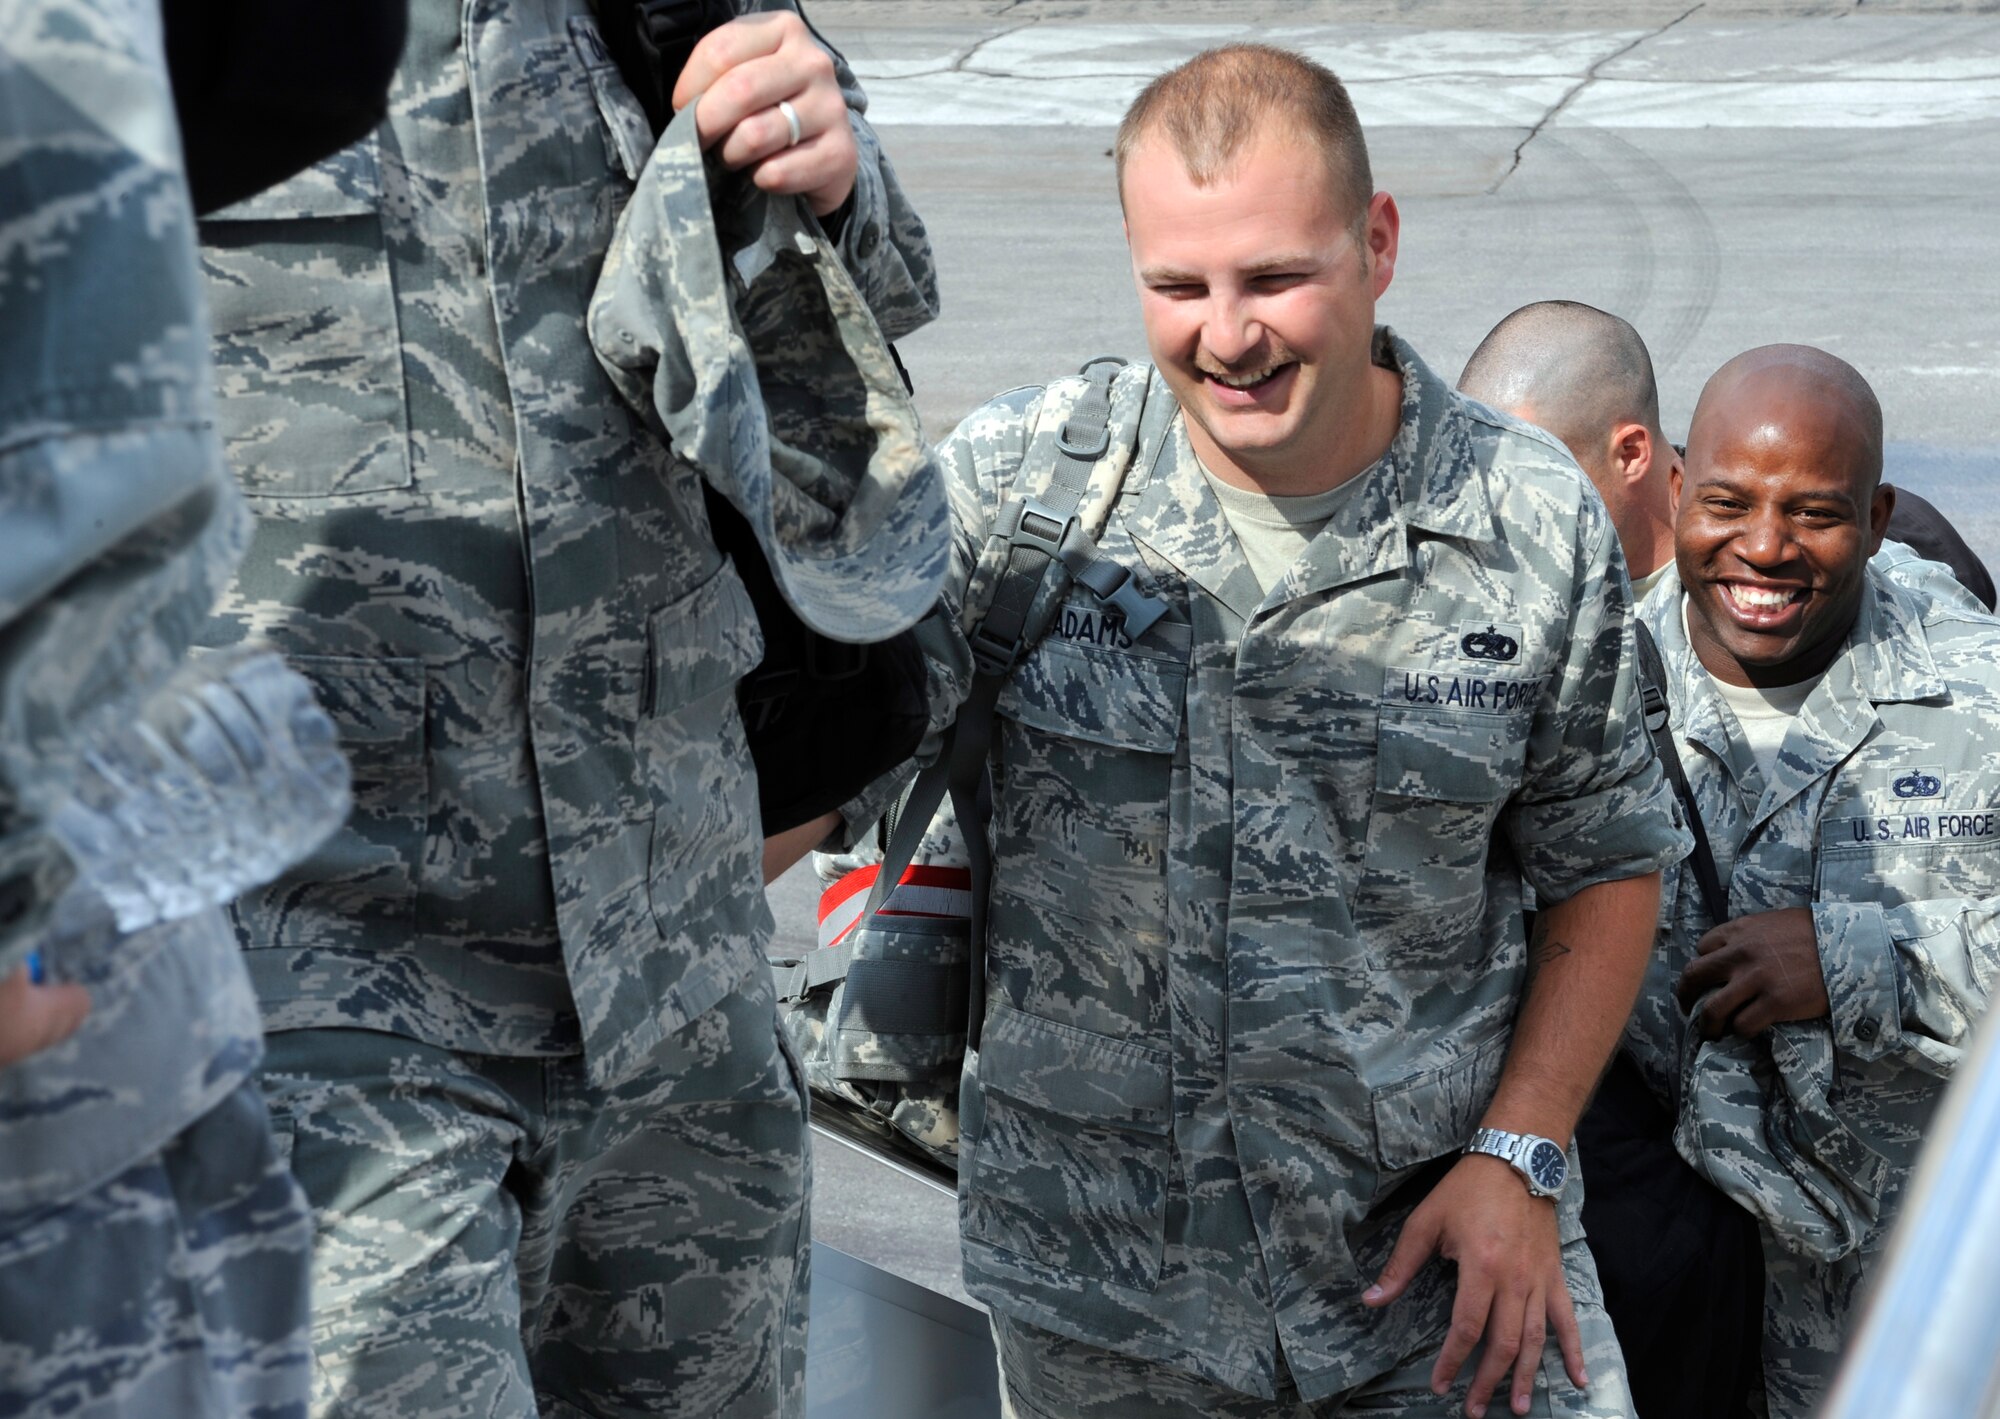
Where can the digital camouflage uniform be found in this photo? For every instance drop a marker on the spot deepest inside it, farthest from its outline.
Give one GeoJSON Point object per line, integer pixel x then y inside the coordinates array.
{"type": "Point", "coordinates": [1882, 820]}
{"type": "Point", "coordinates": [1255, 944]}
{"type": "Point", "coordinates": [153, 1248]}
{"type": "Point", "coordinates": [523, 1020]}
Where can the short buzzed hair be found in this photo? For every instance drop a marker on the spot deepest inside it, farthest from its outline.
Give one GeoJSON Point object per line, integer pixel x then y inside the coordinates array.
{"type": "Point", "coordinates": [1582, 371]}
{"type": "Point", "coordinates": [1211, 106]}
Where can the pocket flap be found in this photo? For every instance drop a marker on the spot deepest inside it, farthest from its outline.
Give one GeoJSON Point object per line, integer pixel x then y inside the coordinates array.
{"type": "Point", "coordinates": [1435, 1112]}
{"type": "Point", "coordinates": [1101, 695]}
{"type": "Point", "coordinates": [702, 643]}
{"type": "Point", "coordinates": [1074, 1073]}
{"type": "Point", "coordinates": [1453, 758]}
{"type": "Point", "coordinates": [346, 184]}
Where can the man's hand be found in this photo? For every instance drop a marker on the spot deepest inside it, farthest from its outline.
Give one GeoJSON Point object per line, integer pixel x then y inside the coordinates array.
{"type": "Point", "coordinates": [784, 850]}
{"type": "Point", "coordinates": [35, 1017]}
{"type": "Point", "coordinates": [1511, 1290]}
{"type": "Point", "coordinates": [740, 72]}
{"type": "Point", "coordinates": [1761, 969]}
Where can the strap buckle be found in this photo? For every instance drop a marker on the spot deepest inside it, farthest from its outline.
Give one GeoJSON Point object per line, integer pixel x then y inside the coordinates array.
{"type": "Point", "coordinates": [1032, 523]}
{"type": "Point", "coordinates": [1100, 440]}
{"type": "Point", "coordinates": [1138, 608]}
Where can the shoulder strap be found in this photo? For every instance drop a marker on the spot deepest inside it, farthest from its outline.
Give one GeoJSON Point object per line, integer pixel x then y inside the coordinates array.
{"type": "Point", "coordinates": [1653, 693]}
{"type": "Point", "coordinates": [1044, 538]}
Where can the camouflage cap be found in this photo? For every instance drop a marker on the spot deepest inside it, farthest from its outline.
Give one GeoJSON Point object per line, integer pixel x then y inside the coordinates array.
{"type": "Point", "coordinates": [725, 315]}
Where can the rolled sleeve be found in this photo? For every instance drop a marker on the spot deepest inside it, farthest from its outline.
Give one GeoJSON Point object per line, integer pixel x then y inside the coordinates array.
{"type": "Point", "coordinates": [1628, 829]}
{"type": "Point", "coordinates": [1857, 957]}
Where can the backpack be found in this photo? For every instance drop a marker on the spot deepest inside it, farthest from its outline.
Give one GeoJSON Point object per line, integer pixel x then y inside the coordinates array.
{"type": "Point", "coordinates": [882, 1011]}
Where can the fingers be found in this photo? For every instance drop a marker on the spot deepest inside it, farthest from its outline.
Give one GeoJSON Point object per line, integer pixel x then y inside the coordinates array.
{"type": "Point", "coordinates": [740, 79]}
{"type": "Point", "coordinates": [1415, 1245]}
{"type": "Point", "coordinates": [1704, 974]}
{"type": "Point", "coordinates": [1721, 1012]}
{"type": "Point", "coordinates": [1504, 1332]}
{"type": "Point", "coordinates": [728, 47]}
{"type": "Point", "coordinates": [37, 1017]}
{"type": "Point", "coordinates": [1469, 1311]}
{"type": "Point", "coordinates": [821, 169]}
{"type": "Point", "coordinates": [1527, 1364]}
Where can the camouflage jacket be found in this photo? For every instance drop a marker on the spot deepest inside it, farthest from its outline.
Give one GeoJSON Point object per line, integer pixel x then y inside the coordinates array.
{"type": "Point", "coordinates": [1255, 943]}
{"type": "Point", "coordinates": [1884, 819]}
{"type": "Point", "coordinates": [502, 584]}
{"type": "Point", "coordinates": [118, 526]}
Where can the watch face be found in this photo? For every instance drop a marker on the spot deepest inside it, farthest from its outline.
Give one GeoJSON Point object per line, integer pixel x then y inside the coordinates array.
{"type": "Point", "coordinates": [1548, 1166]}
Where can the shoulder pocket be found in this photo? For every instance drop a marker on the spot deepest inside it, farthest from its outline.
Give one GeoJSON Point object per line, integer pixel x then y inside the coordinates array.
{"type": "Point", "coordinates": [308, 347]}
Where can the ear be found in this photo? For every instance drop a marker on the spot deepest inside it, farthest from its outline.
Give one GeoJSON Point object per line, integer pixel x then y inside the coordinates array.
{"type": "Point", "coordinates": [1879, 513]}
{"type": "Point", "coordinates": [1384, 230]}
{"type": "Point", "coordinates": [1676, 480]}
{"type": "Point", "coordinates": [1631, 452]}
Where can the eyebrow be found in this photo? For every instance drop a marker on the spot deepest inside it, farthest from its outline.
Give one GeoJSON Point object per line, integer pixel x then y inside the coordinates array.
{"type": "Point", "coordinates": [1174, 276]}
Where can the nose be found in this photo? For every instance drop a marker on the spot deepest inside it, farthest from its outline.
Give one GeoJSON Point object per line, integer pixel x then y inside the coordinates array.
{"type": "Point", "coordinates": [1230, 331]}
{"type": "Point", "coordinates": [1765, 539]}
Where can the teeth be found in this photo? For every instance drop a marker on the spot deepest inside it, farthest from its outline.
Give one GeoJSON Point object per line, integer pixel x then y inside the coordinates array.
{"type": "Point", "coordinates": [1241, 381]}
{"type": "Point", "coordinates": [1760, 598]}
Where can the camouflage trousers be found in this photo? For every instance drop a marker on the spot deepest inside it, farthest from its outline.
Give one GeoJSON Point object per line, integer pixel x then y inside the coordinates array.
{"type": "Point", "coordinates": [1049, 1376]}
{"type": "Point", "coordinates": [178, 1290]}
{"type": "Point", "coordinates": [499, 1239]}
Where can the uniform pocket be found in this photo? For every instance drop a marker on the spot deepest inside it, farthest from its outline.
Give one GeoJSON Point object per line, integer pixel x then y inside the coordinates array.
{"type": "Point", "coordinates": [1434, 1113]}
{"type": "Point", "coordinates": [1440, 782]}
{"type": "Point", "coordinates": [360, 886]}
{"type": "Point", "coordinates": [1086, 750]}
{"type": "Point", "coordinates": [308, 348]}
{"type": "Point", "coordinates": [1071, 1163]}
{"type": "Point", "coordinates": [693, 750]}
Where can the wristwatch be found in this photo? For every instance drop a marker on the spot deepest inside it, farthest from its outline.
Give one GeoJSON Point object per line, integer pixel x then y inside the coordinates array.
{"type": "Point", "coordinates": [1541, 1162]}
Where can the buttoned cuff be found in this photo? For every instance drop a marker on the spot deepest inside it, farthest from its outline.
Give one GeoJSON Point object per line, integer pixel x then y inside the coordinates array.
{"type": "Point", "coordinates": [1857, 956]}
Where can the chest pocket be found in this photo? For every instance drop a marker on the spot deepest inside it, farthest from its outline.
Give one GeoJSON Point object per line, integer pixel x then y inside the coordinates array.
{"type": "Point", "coordinates": [1908, 851]}
{"type": "Point", "coordinates": [308, 352]}
{"type": "Point", "coordinates": [1441, 779]}
{"type": "Point", "coordinates": [1083, 772]}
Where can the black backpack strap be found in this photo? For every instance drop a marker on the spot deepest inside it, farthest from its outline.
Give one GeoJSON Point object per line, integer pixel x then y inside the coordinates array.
{"type": "Point", "coordinates": [1040, 528]}
{"type": "Point", "coordinates": [1653, 693]}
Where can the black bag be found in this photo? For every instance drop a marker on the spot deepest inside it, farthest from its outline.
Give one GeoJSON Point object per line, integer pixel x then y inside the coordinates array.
{"type": "Point", "coordinates": [824, 718]}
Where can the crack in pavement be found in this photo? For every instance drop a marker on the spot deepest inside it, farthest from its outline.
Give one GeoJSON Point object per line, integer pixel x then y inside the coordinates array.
{"type": "Point", "coordinates": [1589, 77]}
{"type": "Point", "coordinates": [958, 63]}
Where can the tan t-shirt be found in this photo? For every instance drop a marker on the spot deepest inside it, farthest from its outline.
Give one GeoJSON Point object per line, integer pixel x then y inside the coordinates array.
{"type": "Point", "coordinates": [1274, 531]}
{"type": "Point", "coordinates": [1764, 715]}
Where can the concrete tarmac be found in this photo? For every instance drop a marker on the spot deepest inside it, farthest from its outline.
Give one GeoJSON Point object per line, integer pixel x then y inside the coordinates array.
{"type": "Point", "coordinates": [1723, 175]}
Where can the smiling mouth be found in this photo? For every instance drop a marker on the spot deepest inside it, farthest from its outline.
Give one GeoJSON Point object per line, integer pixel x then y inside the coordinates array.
{"type": "Point", "coordinates": [1247, 381]}
{"type": "Point", "coordinates": [1762, 601]}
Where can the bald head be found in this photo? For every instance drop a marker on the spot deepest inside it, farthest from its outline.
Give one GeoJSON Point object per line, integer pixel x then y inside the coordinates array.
{"type": "Point", "coordinates": [1584, 375]}
{"type": "Point", "coordinates": [1796, 392]}
{"type": "Point", "coordinates": [1573, 369]}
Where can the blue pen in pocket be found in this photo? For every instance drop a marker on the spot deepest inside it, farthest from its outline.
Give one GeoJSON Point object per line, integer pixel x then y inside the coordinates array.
{"type": "Point", "coordinates": [36, 976]}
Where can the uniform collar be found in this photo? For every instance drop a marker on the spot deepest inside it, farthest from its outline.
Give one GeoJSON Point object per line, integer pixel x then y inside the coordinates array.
{"type": "Point", "coordinates": [1429, 481]}
{"type": "Point", "coordinates": [1885, 660]}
